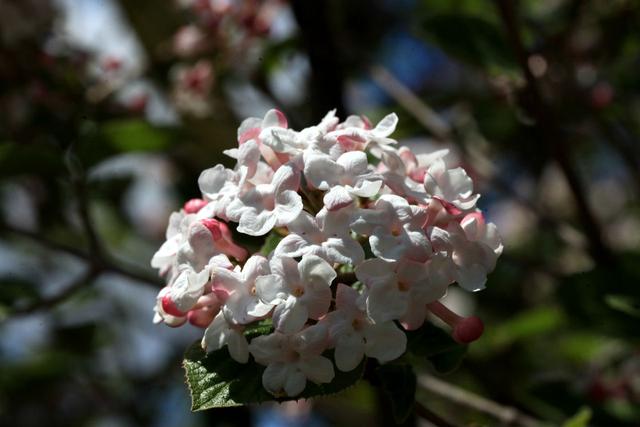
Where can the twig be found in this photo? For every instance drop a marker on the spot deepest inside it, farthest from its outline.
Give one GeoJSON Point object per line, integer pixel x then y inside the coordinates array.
{"type": "Point", "coordinates": [70, 289]}
{"type": "Point", "coordinates": [430, 416]}
{"type": "Point", "coordinates": [507, 415]}
{"type": "Point", "coordinates": [410, 102]}
{"type": "Point", "coordinates": [102, 263]}
{"type": "Point", "coordinates": [552, 136]}
{"type": "Point", "coordinates": [432, 121]}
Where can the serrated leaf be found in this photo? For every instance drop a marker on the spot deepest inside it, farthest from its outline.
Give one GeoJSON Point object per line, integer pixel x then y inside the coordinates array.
{"type": "Point", "coordinates": [215, 380]}
{"type": "Point", "coordinates": [398, 382]}
{"type": "Point", "coordinates": [436, 346]}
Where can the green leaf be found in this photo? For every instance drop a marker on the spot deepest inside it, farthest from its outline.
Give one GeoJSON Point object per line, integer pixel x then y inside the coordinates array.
{"type": "Point", "coordinates": [581, 419]}
{"type": "Point", "coordinates": [436, 346]}
{"type": "Point", "coordinates": [398, 382]}
{"type": "Point", "coordinates": [270, 243]}
{"type": "Point", "coordinates": [136, 135]}
{"type": "Point", "coordinates": [469, 38]}
{"type": "Point", "coordinates": [215, 380]}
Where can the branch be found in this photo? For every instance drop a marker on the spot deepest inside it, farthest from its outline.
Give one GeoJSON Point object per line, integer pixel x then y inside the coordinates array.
{"type": "Point", "coordinates": [439, 127]}
{"type": "Point", "coordinates": [47, 303]}
{"type": "Point", "coordinates": [424, 114]}
{"type": "Point", "coordinates": [430, 416]}
{"type": "Point", "coordinates": [506, 414]}
{"type": "Point", "coordinates": [552, 135]}
{"type": "Point", "coordinates": [101, 263]}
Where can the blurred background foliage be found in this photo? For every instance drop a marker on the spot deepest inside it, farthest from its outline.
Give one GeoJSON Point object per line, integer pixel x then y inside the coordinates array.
{"type": "Point", "coordinates": [110, 110]}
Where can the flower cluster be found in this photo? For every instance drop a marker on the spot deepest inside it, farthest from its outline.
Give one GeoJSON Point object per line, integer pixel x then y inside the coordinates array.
{"type": "Point", "coordinates": [372, 237]}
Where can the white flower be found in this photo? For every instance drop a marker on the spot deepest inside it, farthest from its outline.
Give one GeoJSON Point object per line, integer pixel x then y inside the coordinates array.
{"type": "Point", "coordinates": [327, 236]}
{"type": "Point", "coordinates": [292, 143]}
{"type": "Point", "coordinates": [176, 235]}
{"type": "Point", "coordinates": [452, 186]}
{"type": "Point", "coordinates": [221, 332]}
{"type": "Point", "coordinates": [392, 287]}
{"type": "Point", "coordinates": [298, 291]}
{"type": "Point", "coordinates": [354, 335]}
{"type": "Point", "coordinates": [219, 186]}
{"type": "Point", "coordinates": [345, 178]}
{"type": "Point", "coordinates": [268, 205]}
{"type": "Point", "coordinates": [473, 245]}
{"type": "Point", "coordinates": [242, 306]}
{"type": "Point", "coordinates": [394, 228]}
{"type": "Point", "coordinates": [291, 360]}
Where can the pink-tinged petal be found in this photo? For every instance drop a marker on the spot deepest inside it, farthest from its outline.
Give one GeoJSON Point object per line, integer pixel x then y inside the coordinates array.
{"type": "Point", "coordinates": [385, 342]}
{"type": "Point", "coordinates": [238, 347]}
{"type": "Point", "coordinates": [376, 271]}
{"type": "Point", "coordinates": [292, 245]}
{"type": "Point", "coordinates": [337, 198]}
{"type": "Point", "coordinates": [255, 266]}
{"type": "Point", "coordinates": [285, 267]}
{"type": "Point", "coordinates": [346, 296]}
{"type": "Point", "coordinates": [295, 383]}
{"type": "Point", "coordinates": [316, 271]}
{"type": "Point", "coordinates": [415, 315]}
{"type": "Point", "coordinates": [387, 246]}
{"type": "Point", "coordinates": [257, 224]}
{"type": "Point", "coordinates": [271, 289]}
{"type": "Point", "coordinates": [287, 177]}
{"type": "Point", "coordinates": [317, 299]}
{"type": "Point", "coordinates": [274, 118]}
{"type": "Point", "coordinates": [166, 253]}
{"type": "Point", "coordinates": [212, 180]}
{"type": "Point", "coordinates": [321, 171]}
{"type": "Point", "coordinates": [311, 341]}
{"type": "Point", "coordinates": [274, 378]}
{"type": "Point", "coordinates": [349, 351]}
{"type": "Point", "coordinates": [317, 369]}
{"type": "Point", "coordinates": [290, 316]}
{"type": "Point", "coordinates": [248, 125]}
{"type": "Point", "coordinates": [343, 250]}
{"type": "Point", "coordinates": [386, 303]}
{"type": "Point", "coordinates": [386, 126]}
{"type": "Point", "coordinates": [267, 349]}
{"type": "Point", "coordinates": [258, 309]}
{"type": "Point", "coordinates": [216, 335]}
{"type": "Point", "coordinates": [472, 278]}
{"type": "Point", "coordinates": [288, 207]}
{"type": "Point", "coordinates": [237, 308]}
{"type": "Point", "coordinates": [230, 281]}
{"type": "Point", "coordinates": [367, 188]}
{"type": "Point", "coordinates": [354, 162]}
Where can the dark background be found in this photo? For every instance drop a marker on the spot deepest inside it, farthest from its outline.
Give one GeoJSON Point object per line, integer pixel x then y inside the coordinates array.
{"type": "Point", "coordinates": [539, 101]}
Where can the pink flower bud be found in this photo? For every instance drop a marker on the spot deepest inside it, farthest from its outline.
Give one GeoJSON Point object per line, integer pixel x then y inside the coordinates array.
{"type": "Point", "coordinates": [214, 227]}
{"type": "Point", "coordinates": [169, 307]}
{"type": "Point", "coordinates": [194, 205]}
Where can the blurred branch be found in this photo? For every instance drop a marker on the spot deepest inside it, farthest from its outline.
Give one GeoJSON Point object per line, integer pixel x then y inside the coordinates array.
{"type": "Point", "coordinates": [424, 114]}
{"type": "Point", "coordinates": [443, 131]}
{"type": "Point", "coordinates": [101, 263]}
{"type": "Point", "coordinates": [507, 415]}
{"type": "Point", "coordinates": [430, 416]}
{"type": "Point", "coordinates": [551, 134]}
{"type": "Point", "coordinates": [47, 303]}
